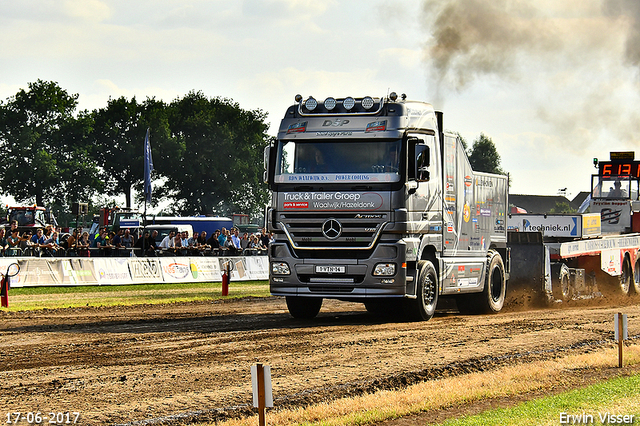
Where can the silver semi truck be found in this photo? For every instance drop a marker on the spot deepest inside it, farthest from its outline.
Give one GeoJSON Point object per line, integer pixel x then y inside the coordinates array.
{"type": "Point", "coordinates": [373, 202]}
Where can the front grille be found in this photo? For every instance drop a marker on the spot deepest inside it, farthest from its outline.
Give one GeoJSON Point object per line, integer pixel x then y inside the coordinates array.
{"type": "Point", "coordinates": [356, 231]}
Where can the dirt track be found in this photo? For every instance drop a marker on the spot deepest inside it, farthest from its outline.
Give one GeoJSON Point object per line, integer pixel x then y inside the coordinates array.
{"type": "Point", "coordinates": [122, 365]}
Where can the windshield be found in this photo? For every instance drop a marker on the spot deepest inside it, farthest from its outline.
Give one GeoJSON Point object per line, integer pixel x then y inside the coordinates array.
{"type": "Point", "coordinates": [614, 187]}
{"type": "Point", "coordinates": [338, 161]}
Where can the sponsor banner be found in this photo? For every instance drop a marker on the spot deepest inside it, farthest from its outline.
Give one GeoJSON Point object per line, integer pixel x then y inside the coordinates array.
{"type": "Point", "coordinates": [332, 201]}
{"type": "Point", "coordinates": [176, 269]}
{"type": "Point", "coordinates": [549, 225]}
{"type": "Point", "coordinates": [38, 272]}
{"type": "Point", "coordinates": [205, 269]}
{"type": "Point", "coordinates": [145, 270]}
{"type": "Point", "coordinates": [79, 271]}
{"type": "Point", "coordinates": [257, 267]}
{"type": "Point", "coordinates": [576, 248]}
{"type": "Point", "coordinates": [127, 270]}
{"type": "Point", "coordinates": [112, 270]}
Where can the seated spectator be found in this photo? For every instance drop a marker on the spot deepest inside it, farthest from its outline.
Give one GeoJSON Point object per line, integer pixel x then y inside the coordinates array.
{"type": "Point", "coordinates": [168, 241]}
{"type": "Point", "coordinates": [127, 239]}
{"type": "Point", "coordinates": [145, 244]}
{"type": "Point", "coordinates": [192, 242]}
{"type": "Point", "coordinates": [50, 246]}
{"type": "Point", "coordinates": [102, 242]}
{"type": "Point", "coordinates": [231, 247]}
{"type": "Point", "coordinates": [213, 242]}
{"type": "Point", "coordinates": [202, 239]}
{"type": "Point", "coordinates": [71, 242]}
{"type": "Point", "coordinates": [83, 244]}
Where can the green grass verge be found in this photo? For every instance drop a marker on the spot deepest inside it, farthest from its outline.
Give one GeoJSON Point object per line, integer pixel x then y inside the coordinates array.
{"type": "Point", "coordinates": [615, 397]}
{"type": "Point", "coordinates": [32, 298]}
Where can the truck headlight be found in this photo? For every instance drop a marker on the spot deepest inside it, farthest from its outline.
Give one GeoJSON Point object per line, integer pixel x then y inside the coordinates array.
{"type": "Point", "coordinates": [385, 269]}
{"type": "Point", "coordinates": [280, 268]}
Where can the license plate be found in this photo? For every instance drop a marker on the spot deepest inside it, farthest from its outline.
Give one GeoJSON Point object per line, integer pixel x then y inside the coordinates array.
{"type": "Point", "coordinates": [330, 269]}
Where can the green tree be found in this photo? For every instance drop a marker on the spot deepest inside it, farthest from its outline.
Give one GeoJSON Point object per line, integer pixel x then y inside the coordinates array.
{"type": "Point", "coordinates": [45, 156]}
{"type": "Point", "coordinates": [221, 169]}
{"type": "Point", "coordinates": [118, 140]}
{"type": "Point", "coordinates": [562, 207]}
{"type": "Point", "coordinates": [484, 156]}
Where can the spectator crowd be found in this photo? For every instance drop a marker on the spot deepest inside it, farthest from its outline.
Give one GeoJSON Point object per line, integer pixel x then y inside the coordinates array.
{"type": "Point", "coordinates": [50, 242]}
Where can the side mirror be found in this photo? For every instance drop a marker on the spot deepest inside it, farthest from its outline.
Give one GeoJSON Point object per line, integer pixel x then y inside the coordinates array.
{"type": "Point", "coordinates": [267, 155]}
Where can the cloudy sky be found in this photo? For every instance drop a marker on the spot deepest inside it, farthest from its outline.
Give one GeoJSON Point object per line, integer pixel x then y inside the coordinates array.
{"type": "Point", "coordinates": [553, 83]}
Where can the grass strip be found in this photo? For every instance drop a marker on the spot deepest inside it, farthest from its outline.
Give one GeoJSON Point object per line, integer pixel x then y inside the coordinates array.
{"type": "Point", "coordinates": [507, 382]}
{"type": "Point", "coordinates": [603, 403]}
{"type": "Point", "coordinates": [34, 298]}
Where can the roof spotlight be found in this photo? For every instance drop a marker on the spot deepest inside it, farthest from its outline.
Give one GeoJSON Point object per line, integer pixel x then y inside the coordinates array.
{"type": "Point", "coordinates": [393, 96]}
{"type": "Point", "coordinates": [311, 103]}
{"type": "Point", "coordinates": [367, 102]}
{"type": "Point", "coordinates": [349, 103]}
{"type": "Point", "coordinates": [330, 103]}
{"type": "Point", "coordinates": [298, 98]}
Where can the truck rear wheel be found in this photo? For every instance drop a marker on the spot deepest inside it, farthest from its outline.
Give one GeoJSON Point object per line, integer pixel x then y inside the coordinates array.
{"type": "Point", "coordinates": [495, 284]}
{"type": "Point", "coordinates": [561, 285]}
{"type": "Point", "coordinates": [304, 307]}
{"type": "Point", "coordinates": [626, 278]}
{"type": "Point", "coordinates": [424, 305]}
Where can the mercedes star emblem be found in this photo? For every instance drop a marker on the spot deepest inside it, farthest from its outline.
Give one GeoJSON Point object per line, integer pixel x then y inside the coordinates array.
{"type": "Point", "coordinates": [331, 229]}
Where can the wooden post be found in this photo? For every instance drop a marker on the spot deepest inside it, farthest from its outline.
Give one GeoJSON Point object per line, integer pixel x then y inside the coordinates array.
{"type": "Point", "coordinates": [620, 338]}
{"type": "Point", "coordinates": [261, 401]}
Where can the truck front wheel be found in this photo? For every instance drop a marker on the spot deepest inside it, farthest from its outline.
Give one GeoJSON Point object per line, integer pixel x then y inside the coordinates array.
{"type": "Point", "coordinates": [423, 306]}
{"type": "Point", "coordinates": [304, 307]}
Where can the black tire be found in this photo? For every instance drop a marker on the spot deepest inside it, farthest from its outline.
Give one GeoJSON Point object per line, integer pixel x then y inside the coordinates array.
{"type": "Point", "coordinates": [626, 278]}
{"type": "Point", "coordinates": [495, 284]}
{"type": "Point", "coordinates": [636, 277]}
{"type": "Point", "coordinates": [304, 307]}
{"type": "Point", "coordinates": [560, 284]}
{"type": "Point", "coordinates": [424, 305]}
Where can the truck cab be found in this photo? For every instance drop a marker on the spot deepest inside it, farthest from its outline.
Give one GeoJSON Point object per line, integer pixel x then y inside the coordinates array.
{"type": "Point", "coordinates": [372, 201]}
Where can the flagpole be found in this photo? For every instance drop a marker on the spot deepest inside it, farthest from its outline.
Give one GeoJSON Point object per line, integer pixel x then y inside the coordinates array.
{"type": "Point", "coordinates": [148, 167]}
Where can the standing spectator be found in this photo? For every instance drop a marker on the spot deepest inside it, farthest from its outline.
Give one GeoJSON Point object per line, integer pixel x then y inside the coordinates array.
{"type": "Point", "coordinates": [3, 242]}
{"type": "Point", "coordinates": [244, 241]}
{"type": "Point", "coordinates": [152, 240]}
{"type": "Point", "coordinates": [222, 238]}
{"type": "Point", "coordinates": [117, 239]}
{"type": "Point", "coordinates": [236, 240]}
{"type": "Point", "coordinates": [264, 238]}
{"type": "Point", "coordinates": [14, 242]}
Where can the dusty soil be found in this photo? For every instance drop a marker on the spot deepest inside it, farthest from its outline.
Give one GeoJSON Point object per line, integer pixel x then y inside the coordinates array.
{"type": "Point", "coordinates": [188, 363]}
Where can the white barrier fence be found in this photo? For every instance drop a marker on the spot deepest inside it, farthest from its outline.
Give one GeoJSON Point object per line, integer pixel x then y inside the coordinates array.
{"type": "Point", "coordinates": [69, 271]}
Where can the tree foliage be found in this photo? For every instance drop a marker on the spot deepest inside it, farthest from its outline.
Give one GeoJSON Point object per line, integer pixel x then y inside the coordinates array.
{"type": "Point", "coordinates": [45, 155]}
{"type": "Point", "coordinates": [220, 170]}
{"type": "Point", "coordinates": [484, 156]}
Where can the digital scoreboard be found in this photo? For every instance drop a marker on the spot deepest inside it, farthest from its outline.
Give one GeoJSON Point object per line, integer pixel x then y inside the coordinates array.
{"type": "Point", "coordinates": [619, 168]}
